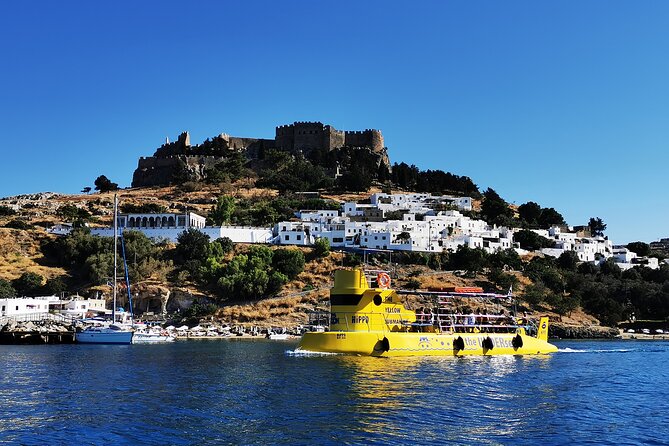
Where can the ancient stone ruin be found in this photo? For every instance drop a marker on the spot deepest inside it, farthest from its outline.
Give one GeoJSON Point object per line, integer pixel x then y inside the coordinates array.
{"type": "Point", "coordinates": [299, 137]}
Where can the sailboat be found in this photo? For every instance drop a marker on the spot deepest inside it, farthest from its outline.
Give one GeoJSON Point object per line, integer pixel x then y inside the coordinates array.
{"type": "Point", "coordinates": [114, 333]}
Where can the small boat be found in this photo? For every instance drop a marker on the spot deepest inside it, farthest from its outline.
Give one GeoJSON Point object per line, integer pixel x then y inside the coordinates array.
{"type": "Point", "coordinates": [374, 321]}
{"type": "Point", "coordinates": [150, 336]}
{"type": "Point", "coordinates": [113, 334]}
{"type": "Point", "coordinates": [278, 336]}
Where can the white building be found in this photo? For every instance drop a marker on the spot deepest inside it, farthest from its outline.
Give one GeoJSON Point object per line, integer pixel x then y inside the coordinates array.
{"type": "Point", "coordinates": [390, 202]}
{"type": "Point", "coordinates": [170, 226]}
{"type": "Point", "coordinates": [434, 233]}
{"type": "Point", "coordinates": [19, 306]}
{"type": "Point", "coordinates": [79, 307]}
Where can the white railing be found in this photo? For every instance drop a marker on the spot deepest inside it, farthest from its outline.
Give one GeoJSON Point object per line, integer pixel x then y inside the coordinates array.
{"type": "Point", "coordinates": [36, 317]}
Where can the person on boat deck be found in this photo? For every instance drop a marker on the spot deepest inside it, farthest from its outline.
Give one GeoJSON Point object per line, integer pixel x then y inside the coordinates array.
{"type": "Point", "coordinates": [419, 319]}
{"type": "Point", "coordinates": [501, 320]}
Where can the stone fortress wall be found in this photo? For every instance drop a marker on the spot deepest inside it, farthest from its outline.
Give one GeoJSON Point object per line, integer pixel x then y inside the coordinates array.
{"type": "Point", "coordinates": [297, 137]}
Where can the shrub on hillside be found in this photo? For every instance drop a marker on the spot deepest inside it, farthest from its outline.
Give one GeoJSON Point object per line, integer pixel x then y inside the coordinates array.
{"type": "Point", "coordinates": [18, 224]}
{"type": "Point", "coordinates": [322, 247]}
{"type": "Point", "coordinates": [7, 291]}
{"type": "Point", "coordinates": [28, 283]}
{"type": "Point", "coordinates": [532, 241]}
{"type": "Point", "coordinates": [6, 210]}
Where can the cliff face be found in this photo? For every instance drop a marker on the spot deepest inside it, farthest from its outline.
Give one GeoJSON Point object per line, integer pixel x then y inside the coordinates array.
{"type": "Point", "coordinates": [176, 160]}
{"type": "Point", "coordinates": [157, 171]}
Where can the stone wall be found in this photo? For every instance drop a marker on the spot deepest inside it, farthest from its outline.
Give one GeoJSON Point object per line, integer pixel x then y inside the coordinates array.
{"type": "Point", "coordinates": [170, 160]}
{"type": "Point", "coordinates": [157, 171]}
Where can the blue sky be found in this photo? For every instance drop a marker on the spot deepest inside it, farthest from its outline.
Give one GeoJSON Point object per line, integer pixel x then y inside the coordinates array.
{"type": "Point", "coordinates": [562, 103]}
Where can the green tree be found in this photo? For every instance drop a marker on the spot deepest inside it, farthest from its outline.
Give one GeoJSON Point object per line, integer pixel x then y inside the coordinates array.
{"type": "Point", "coordinates": [502, 281]}
{"type": "Point", "coordinates": [640, 248]}
{"type": "Point", "coordinates": [104, 184]}
{"type": "Point", "coordinates": [507, 258]}
{"type": "Point", "coordinates": [55, 285]}
{"type": "Point", "coordinates": [550, 217]}
{"type": "Point", "coordinates": [610, 268]}
{"type": "Point", "coordinates": [6, 210]}
{"type": "Point", "coordinates": [225, 243]}
{"type": "Point", "coordinates": [568, 260]}
{"type": "Point", "coordinates": [289, 262]}
{"type": "Point", "coordinates": [7, 291]}
{"type": "Point", "coordinates": [192, 245]}
{"type": "Point", "coordinates": [99, 267]}
{"type": "Point", "coordinates": [535, 293]}
{"type": "Point", "coordinates": [596, 226]}
{"type": "Point", "coordinates": [532, 241]}
{"type": "Point", "coordinates": [221, 212]}
{"type": "Point", "coordinates": [588, 268]}
{"type": "Point", "coordinates": [358, 179]}
{"type": "Point", "coordinates": [28, 283]}
{"type": "Point", "coordinates": [494, 209]}
{"type": "Point", "coordinates": [529, 213]}
{"type": "Point", "coordinates": [468, 259]}
{"type": "Point", "coordinates": [72, 213]}
{"type": "Point", "coordinates": [276, 281]}
{"type": "Point", "coordinates": [322, 247]}
{"type": "Point", "coordinates": [18, 224]}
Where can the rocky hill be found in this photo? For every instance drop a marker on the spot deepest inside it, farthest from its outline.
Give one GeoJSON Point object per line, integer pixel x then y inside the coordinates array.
{"type": "Point", "coordinates": [179, 161]}
{"type": "Point", "coordinates": [26, 250]}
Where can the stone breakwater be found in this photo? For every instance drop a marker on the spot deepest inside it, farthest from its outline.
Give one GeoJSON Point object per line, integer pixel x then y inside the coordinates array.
{"type": "Point", "coordinates": [564, 331]}
{"type": "Point", "coordinates": [40, 332]}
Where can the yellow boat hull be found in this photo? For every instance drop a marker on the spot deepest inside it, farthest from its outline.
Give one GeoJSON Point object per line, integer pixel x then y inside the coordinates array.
{"type": "Point", "coordinates": [424, 344]}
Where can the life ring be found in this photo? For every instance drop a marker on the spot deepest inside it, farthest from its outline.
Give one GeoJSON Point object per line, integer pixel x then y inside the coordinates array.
{"type": "Point", "coordinates": [383, 279]}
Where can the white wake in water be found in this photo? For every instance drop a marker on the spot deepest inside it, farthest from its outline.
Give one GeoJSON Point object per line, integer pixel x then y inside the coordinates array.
{"type": "Point", "coordinates": [300, 352]}
{"type": "Point", "coordinates": [615, 350]}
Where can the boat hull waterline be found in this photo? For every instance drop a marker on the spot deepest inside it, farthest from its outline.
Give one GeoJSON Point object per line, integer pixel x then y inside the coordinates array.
{"type": "Point", "coordinates": [422, 344]}
{"type": "Point", "coordinates": [104, 337]}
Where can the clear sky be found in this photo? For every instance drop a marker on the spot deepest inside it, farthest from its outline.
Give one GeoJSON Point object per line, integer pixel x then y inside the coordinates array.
{"type": "Point", "coordinates": [565, 103]}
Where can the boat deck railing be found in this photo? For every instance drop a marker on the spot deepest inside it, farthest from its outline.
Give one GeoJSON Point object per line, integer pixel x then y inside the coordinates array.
{"type": "Point", "coordinates": [411, 321]}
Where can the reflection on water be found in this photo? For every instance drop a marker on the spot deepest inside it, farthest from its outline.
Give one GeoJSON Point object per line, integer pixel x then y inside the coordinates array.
{"type": "Point", "coordinates": [243, 392]}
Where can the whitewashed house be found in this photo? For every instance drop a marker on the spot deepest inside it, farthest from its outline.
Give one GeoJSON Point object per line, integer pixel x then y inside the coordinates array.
{"type": "Point", "coordinates": [169, 226]}
{"type": "Point", "coordinates": [79, 307]}
{"type": "Point", "coordinates": [21, 306]}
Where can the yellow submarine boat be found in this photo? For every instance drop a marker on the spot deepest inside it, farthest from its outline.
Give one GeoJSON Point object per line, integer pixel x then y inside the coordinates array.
{"type": "Point", "coordinates": [373, 321]}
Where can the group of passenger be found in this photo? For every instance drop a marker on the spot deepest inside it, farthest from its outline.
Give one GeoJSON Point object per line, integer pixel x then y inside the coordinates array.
{"type": "Point", "coordinates": [471, 322]}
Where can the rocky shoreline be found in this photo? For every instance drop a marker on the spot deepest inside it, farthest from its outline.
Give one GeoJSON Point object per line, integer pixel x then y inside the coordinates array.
{"type": "Point", "coordinates": [37, 332]}
{"type": "Point", "coordinates": [564, 331]}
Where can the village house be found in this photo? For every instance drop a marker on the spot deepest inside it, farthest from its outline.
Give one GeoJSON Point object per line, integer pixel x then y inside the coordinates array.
{"type": "Point", "coordinates": [169, 226]}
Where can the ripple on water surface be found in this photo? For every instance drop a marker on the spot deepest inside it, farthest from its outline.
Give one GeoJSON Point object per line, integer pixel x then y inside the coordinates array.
{"type": "Point", "coordinates": [256, 392]}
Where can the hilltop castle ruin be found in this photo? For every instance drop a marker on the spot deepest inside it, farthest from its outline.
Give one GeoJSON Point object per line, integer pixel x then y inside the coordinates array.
{"type": "Point", "coordinates": [299, 137]}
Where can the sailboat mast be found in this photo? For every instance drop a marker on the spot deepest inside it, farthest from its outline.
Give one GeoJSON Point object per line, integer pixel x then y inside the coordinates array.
{"type": "Point", "coordinates": [115, 260]}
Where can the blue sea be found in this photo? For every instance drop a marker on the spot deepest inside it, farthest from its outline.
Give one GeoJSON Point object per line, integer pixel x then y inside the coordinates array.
{"type": "Point", "coordinates": [257, 392]}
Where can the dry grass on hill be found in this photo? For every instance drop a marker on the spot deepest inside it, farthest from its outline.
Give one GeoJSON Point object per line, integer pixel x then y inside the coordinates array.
{"type": "Point", "coordinates": [20, 253]}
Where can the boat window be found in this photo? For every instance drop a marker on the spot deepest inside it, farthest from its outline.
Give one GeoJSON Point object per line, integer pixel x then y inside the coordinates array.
{"type": "Point", "coordinates": [345, 299]}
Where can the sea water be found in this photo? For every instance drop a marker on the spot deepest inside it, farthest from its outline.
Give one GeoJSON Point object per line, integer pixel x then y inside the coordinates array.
{"type": "Point", "coordinates": [259, 392]}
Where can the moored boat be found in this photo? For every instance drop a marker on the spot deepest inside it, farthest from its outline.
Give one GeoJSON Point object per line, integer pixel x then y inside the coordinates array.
{"type": "Point", "coordinates": [113, 334]}
{"type": "Point", "coordinates": [151, 336]}
{"type": "Point", "coordinates": [374, 321]}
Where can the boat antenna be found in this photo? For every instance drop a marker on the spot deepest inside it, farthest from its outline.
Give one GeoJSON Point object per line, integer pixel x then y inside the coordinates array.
{"type": "Point", "coordinates": [115, 260]}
